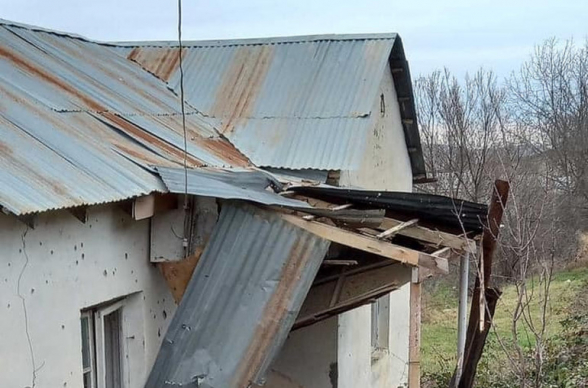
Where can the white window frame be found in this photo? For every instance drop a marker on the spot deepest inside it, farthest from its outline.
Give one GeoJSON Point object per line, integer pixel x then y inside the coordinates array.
{"type": "Point", "coordinates": [98, 345]}
{"type": "Point", "coordinates": [92, 353]}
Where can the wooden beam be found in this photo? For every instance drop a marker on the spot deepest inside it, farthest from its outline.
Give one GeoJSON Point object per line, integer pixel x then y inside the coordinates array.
{"type": "Point", "coordinates": [395, 229]}
{"type": "Point", "coordinates": [340, 262]}
{"type": "Point", "coordinates": [435, 237]}
{"type": "Point", "coordinates": [357, 241]}
{"type": "Point", "coordinates": [370, 244]}
{"type": "Point", "coordinates": [28, 220]}
{"type": "Point", "coordinates": [435, 263]}
{"type": "Point", "coordinates": [80, 212]}
{"type": "Point", "coordinates": [177, 274]}
{"type": "Point", "coordinates": [342, 207]}
{"type": "Point", "coordinates": [350, 289]}
{"type": "Point", "coordinates": [476, 339]}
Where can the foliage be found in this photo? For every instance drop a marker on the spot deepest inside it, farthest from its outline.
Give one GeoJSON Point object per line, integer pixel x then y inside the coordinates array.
{"type": "Point", "coordinates": [565, 361]}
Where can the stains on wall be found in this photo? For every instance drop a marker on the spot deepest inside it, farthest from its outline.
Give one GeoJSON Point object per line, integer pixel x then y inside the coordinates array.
{"type": "Point", "coordinates": [71, 266]}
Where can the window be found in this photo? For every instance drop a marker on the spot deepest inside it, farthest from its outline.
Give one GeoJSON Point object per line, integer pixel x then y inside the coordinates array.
{"type": "Point", "coordinates": [103, 347]}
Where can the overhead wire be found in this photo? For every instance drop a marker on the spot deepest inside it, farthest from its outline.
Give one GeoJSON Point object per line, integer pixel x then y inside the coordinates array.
{"type": "Point", "coordinates": [186, 207]}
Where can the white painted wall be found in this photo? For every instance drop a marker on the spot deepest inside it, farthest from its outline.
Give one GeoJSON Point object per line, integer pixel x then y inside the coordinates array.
{"type": "Point", "coordinates": [354, 350]}
{"type": "Point", "coordinates": [385, 167]}
{"type": "Point", "coordinates": [72, 266]}
{"type": "Point", "coordinates": [308, 359]}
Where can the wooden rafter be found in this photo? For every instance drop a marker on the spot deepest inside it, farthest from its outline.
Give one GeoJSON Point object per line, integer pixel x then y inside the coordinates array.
{"type": "Point", "coordinates": [413, 230]}
{"type": "Point", "coordinates": [435, 237]}
{"type": "Point", "coordinates": [370, 244]}
{"type": "Point", "coordinates": [396, 229]}
{"type": "Point", "coordinates": [349, 289]}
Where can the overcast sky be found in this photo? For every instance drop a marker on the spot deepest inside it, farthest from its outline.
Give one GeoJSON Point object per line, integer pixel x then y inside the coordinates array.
{"type": "Point", "coordinates": [460, 34]}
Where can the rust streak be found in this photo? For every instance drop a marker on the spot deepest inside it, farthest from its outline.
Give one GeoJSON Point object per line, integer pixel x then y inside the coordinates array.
{"type": "Point", "coordinates": [30, 68]}
{"type": "Point", "coordinates": [226, 151]}
{"type": "Point", "coordinates": [146, 157]}
{"type": "Point", "coordinates": [160, 62]}
{"type": "Point", "coordinates": [138, 132]}
{"type": "Point", "coordinates": [274, 313]}
{"type": "Point", "coordinates": [5, 149]}
{"type": "Point", "coordinates": [241, 85]}
{"type": "Point", "coordinates": [35, 179]}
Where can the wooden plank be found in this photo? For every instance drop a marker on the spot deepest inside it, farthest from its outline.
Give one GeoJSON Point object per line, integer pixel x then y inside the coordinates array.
{"type": "Point", "coordinates": [340, 262]}
{"type": "Point", "coordinates": [395, 229]}
{"type": "Point", "coordinates": [354, 240]}
{"type": "Point", "coordinates": [28, 219]}
{"type": "Point", "coordinates": [80, 212]}
{"type": "Point", "coordinates": [350, 290]}
{"type": "Point", "coordinates": [434, 263]}
{"type": "Point", "coordinates": [177, 274]}
{"type": "Point", "coordinates": [342, 207]}
{"type": "Point", "coordinates": [475, 340]}
{"type": "Point", "coordinates": [431, 236]}
{"type": "Point", "coordinates": [414, 353]}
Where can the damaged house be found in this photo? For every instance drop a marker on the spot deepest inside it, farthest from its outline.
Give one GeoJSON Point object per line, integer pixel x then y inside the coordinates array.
{"type": "Point", "coordinates": [266, 237]}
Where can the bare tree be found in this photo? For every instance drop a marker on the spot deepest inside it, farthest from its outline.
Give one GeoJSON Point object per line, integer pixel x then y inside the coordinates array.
{"type": "Point", "coordinates": [533, 132]}
{"type": "Point", "coordinates": [460, 125]}
{"type": "Point", "coordinates": [550, 95]}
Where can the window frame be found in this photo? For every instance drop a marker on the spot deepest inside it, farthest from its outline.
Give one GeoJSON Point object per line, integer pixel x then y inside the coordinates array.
{"type": "Point", "coordinates": [89, 316]}
{"type": "Point", "coordinates": [97, 338]}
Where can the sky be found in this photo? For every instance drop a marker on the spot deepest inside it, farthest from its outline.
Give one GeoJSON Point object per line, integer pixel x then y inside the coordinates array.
{"type": "Point", "coordinates": [462, 35]}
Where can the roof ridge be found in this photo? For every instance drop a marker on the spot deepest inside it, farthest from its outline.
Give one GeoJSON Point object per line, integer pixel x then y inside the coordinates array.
{"type": "Point", "coordinates": [213, 42]}
{"type": "Point", "coordinates": [260, 41]}
{"type": "Point", "coordinates": [30, 27]}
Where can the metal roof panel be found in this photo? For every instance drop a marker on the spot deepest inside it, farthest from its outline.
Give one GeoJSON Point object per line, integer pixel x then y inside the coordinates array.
{"type": "Point", "coordinates": [294, 103]}
{"type": "Point", "coordinates": [81, 125]}
{"type": "Point", "coordinates": [241, 302]}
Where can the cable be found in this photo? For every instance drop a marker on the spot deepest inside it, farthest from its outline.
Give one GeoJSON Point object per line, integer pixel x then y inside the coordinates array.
{"type": "Point", "coordinates": [186, 208]}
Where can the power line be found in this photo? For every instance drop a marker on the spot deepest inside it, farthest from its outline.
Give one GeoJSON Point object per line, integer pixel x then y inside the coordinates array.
{"type": "Point", "coordinates": [185, 238]}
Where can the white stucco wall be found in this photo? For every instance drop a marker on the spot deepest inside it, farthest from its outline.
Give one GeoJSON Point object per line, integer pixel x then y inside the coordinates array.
{"type": "Point", "coordinates": [72, 266]}
{"type": "Point", "coordinates": [385, 167]}
{"type": "Point", "coordinates": [354, 351]}
{"type": "Point", "coordinates": [308, 358]}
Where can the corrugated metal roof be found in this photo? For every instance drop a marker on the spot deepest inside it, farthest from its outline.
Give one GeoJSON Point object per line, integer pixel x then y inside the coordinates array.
{"type": "Point", "coordinates": [227, 184]}
{"type": "Point", "coordinates": [299, 102]}
{"type": "Point", "coordinates": [81, 125]}
{"type": "Point", "coordinates": [242, 301]}
{"type": "Point", "coordinates": [438, 210]}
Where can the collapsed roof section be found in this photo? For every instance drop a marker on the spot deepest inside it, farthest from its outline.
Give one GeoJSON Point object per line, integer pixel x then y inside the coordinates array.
{"type": "Point", "coordinates": [300, 102]}
{"type": "Point", "coordinates": [266, 270]}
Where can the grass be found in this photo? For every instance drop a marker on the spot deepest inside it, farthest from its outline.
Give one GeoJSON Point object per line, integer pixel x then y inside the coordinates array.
{"type": "Point", "coordinates": [439, 331]}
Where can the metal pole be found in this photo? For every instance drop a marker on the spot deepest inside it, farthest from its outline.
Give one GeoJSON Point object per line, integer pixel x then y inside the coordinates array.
{"type": "Point", "coordinates": [462, 319]}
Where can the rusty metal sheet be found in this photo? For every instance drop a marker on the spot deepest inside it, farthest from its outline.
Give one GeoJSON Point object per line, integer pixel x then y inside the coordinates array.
{"type": "Point", "coordinates": [295, 103]}
{"type": "Point", "coordinates": [241, 302]}
{"type": "Point", "coordinates": [248, 185]}
{"type": "Point", "coordinates": [82, 125]}
{"type": "Point", "coordinates": [291, 94]}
